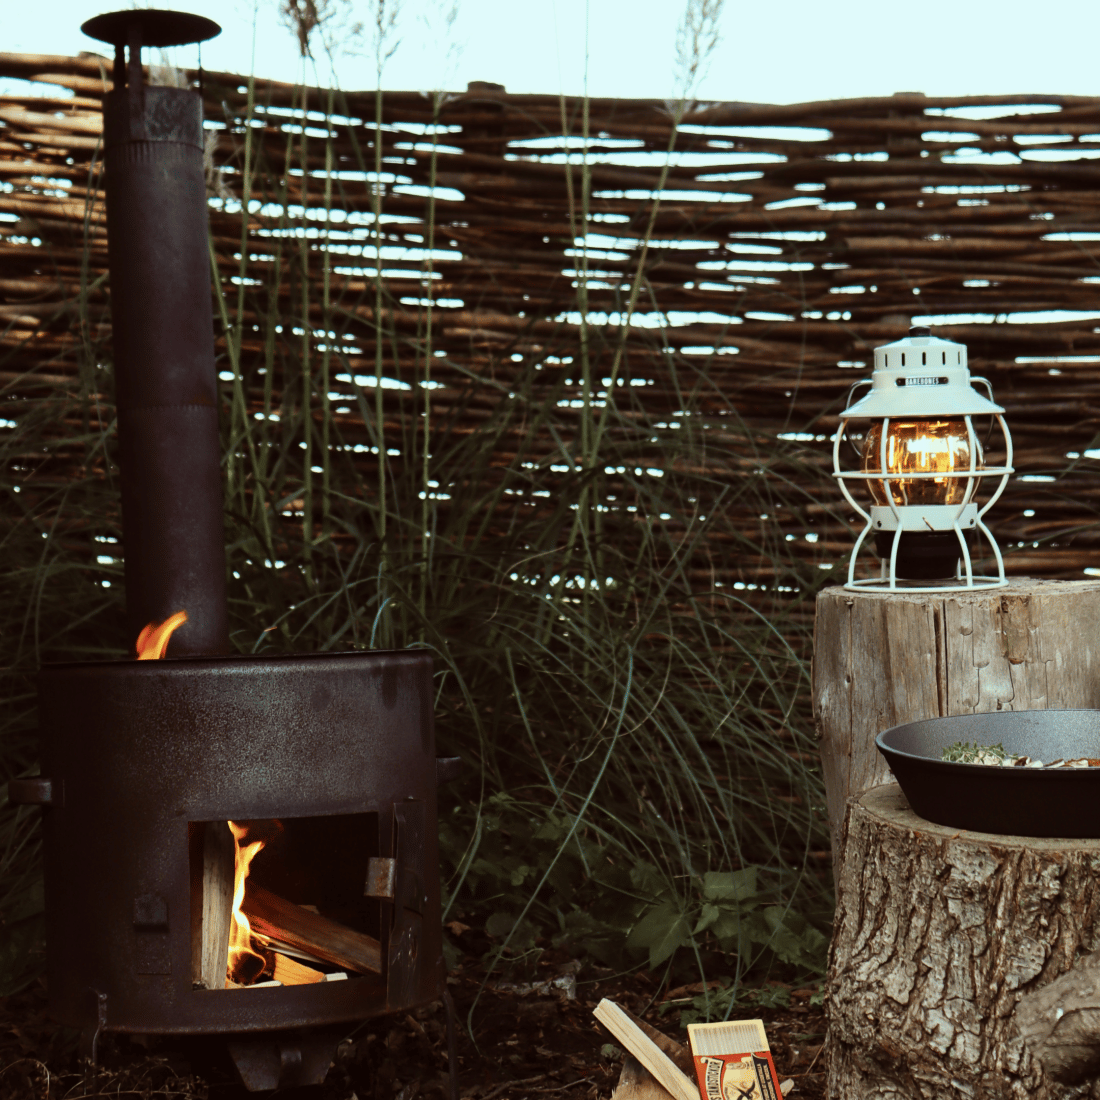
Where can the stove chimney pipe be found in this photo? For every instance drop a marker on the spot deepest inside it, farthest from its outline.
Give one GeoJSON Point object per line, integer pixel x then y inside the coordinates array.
{"type": "Point", "coordinates": [162, 321]}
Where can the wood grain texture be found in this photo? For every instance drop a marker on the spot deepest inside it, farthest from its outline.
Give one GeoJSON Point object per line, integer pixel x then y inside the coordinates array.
{"type": "Point", "coordinates": [274, 918]}
{"type": "Point", "coordinates": [939, 935]}
{"type": "Point", "coordinates": [637, 1083]}
{"type": "Point", "coordinates": [654, 1051]}
{"type": "Point", "coordinates": [210, 939]}
{"type": "Point", "coordinates": [881, 659]}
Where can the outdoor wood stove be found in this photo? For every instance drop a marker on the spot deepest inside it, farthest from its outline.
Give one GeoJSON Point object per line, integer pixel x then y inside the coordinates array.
{"type": "Point", "coordinates": [329, 758]}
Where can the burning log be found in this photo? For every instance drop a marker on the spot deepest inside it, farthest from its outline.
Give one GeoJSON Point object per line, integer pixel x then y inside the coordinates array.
{"type": "Point", "coordinates": [244, 964]}
{"type": "Point", "coordinates": [276, 919]}
{"type": "Point", "coordinates": [212, 917]}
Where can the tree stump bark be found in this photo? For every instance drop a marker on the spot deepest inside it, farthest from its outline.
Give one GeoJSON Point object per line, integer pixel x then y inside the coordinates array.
{"type": "Point", "coordinates": [943, 943]}
{"type": "Point", "coordinates": [881, 659]}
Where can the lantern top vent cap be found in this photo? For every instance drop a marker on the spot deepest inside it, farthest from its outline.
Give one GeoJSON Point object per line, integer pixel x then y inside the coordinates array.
{"type": "Point", "coordinates": [921, 349]}
{"type": "Point", "coordinates": [156, 27]}
{"type": "Point", "coordinates": [921, 376]}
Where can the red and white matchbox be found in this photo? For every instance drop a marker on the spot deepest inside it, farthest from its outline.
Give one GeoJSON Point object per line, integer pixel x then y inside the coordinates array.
{"type": "Point", "coordinates": [733, 1061]}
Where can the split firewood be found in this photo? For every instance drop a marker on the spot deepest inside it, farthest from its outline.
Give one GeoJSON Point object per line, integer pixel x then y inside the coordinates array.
{"type": "Point", "coordinates": [273, 983]}
{"type": "Point", "coordinates": [274, 918]}
{"type": "Point", "coordinates": [210, 938]}
{"type": "Point", "coordinates": [291, 951]}
{"type": "Point", "coordinates": [656, 1067]}
{"type": "Point", "coordinates": [637, 1083]}
{"type": "Point", "coordinates": [291, 972]}
{"type": "Point", "coordinates": [677, 1051]}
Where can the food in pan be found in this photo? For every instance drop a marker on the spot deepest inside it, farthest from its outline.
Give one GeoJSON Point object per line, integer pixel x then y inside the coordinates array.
{"type": "Point", "coordinates": [963, 752]}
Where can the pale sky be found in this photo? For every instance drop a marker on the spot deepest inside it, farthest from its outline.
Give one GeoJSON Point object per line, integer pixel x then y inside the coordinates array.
{"type": "Point", "coordinates": [778, 52]}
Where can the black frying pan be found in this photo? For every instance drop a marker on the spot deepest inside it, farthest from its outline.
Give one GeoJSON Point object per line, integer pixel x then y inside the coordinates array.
{"type": "Point", "coordinates": [1063, 802]}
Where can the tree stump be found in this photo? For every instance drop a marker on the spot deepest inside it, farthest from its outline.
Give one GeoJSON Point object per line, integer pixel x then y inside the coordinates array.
{"type": "Point", "coordinates": [881, 659]}
{"type": "Point", "coordinates": [943, 943]}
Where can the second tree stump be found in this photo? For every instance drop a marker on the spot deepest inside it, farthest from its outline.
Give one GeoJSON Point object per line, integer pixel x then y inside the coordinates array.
{"type": "Point", "coordinates": [942, 944]}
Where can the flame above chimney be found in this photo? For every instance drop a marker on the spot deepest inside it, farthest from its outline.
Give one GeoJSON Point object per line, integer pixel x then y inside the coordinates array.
{"type": "Point", "coordinates": [152, 642]}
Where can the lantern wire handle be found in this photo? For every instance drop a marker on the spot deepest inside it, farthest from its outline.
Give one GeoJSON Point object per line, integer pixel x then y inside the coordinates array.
{"type": "Point", "coordinates": [840, 481]}
{"type": "Point", "coordinates": [989, 393]}
{"type": "Point", "coordinates": [1008, 469]}
{"type": "Point", "coordinates": [848, 404]}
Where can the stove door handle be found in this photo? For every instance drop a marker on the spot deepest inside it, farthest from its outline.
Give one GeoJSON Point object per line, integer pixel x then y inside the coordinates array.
{"type": "Point", "coordinates": [448, 768]}
{"type": "Point", "coordinates": [36, 790]}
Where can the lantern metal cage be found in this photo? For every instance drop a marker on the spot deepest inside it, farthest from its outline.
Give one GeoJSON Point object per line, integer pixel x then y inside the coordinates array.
{"type": "Point", "coordinates": [921, 384]}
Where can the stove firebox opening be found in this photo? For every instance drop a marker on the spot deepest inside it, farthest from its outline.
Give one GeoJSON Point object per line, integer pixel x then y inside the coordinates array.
{"type": "Point", "coordinates": [290, 901]}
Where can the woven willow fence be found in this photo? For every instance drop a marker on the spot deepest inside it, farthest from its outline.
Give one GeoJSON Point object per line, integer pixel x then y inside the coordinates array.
{"type": "Point", "coordinates": [766, 254]}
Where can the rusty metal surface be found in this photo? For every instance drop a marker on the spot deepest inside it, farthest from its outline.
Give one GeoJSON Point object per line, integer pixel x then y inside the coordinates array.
{"type": "Point", "coordinates": [144, 747]}
{"type": "Point", "coordinates": [381, 876]}
{"type": "Point", "coordinates": [169, 452]}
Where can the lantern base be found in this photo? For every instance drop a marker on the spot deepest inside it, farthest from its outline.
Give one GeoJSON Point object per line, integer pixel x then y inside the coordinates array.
{"type": "Point", "coordinates": [937, 563]}
{"type": "Point", "coordinates": [924, 555]}
{"type": "Point", "coordinates": [961, 584]}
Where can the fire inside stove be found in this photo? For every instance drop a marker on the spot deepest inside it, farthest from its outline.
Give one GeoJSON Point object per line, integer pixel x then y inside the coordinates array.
{"type": "Point", "coordinates": [282, 902]}
{"type": "Point", "coordinates": [249, 929]}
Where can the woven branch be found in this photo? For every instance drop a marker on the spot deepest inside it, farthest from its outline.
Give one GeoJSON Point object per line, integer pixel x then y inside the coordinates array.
{"type": "Point", "coordinates": [777, 259]}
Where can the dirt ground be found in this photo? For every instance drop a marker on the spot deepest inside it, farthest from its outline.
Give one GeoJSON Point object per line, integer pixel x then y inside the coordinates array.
{"type": "Point", "coordinates": [536, 1043]}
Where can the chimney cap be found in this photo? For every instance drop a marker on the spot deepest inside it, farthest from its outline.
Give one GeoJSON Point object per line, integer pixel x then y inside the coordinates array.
{"type": "Point", "coordinates": [155, 26]}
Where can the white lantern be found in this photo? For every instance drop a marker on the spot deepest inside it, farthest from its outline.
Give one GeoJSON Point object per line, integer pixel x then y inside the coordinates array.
{"type": "Point", "coordinates": [922, 462]}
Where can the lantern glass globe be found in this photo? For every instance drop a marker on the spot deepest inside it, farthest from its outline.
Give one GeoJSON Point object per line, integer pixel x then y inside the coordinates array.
{"type": "Point", "coordinates": [940, 446]}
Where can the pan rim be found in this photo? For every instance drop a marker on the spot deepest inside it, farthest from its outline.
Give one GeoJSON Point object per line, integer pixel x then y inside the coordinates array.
{"type": "Point", "coordinates": [888, 750]}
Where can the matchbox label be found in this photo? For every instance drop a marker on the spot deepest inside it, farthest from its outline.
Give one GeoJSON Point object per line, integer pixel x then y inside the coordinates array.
{"type": "Point", "coordinates": [737, 1077]}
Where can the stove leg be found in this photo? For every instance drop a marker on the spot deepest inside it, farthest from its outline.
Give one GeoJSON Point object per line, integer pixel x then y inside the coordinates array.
{"type": "Point", "coordinates": [288, 1059]}
{"type": "Point", "coordinates": [88, 1047]}
{"type": "Point", "coordinates": [89, 1044]}
{"type": "Point", "coordinates": [452, 1044]}
{"type": "Point", "coordinates": [89, 1038]}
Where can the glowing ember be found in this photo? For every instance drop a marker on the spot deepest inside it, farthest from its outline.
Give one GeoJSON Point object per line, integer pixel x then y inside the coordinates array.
{"type": "Point", "coordinates": [153, 639]}
{"type": "Point", "coordinates": [243, 965]}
